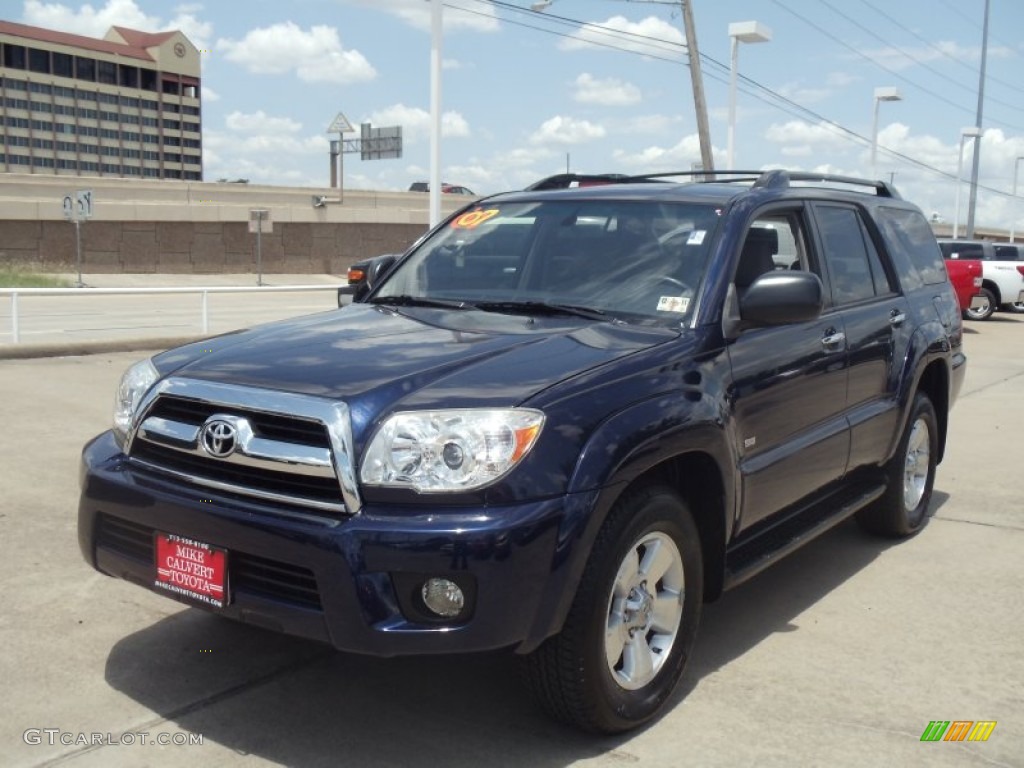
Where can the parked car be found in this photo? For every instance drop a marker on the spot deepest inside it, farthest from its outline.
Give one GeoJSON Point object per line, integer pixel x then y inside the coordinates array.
{"type": "Point", "coordinates": [1002, 280]}
{"type": "Point", "coordinates": [965, 276]}
{"type": "Point", "coordinates": [559, 424]}
{"type": "Point", "coordinates": [448, 189]}
{"type": "Point", "coordinates": [363, 273]}
{"type": "Point", "coordinates": [1010, 252]}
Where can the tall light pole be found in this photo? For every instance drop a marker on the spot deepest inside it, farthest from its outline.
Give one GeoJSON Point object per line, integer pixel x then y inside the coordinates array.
{"type": "Point", "coordinates": [972, 204]}
{"type": "Point", "coordinates": [740, 32]}
{"type": "Point", "coordinates": [1013, 203]}
{"type": "Point", "coordinates": [436, 27]}
{"type": "Point", "coordinates": [881, 94]}
{"type": "Point", "coordinates": [965, 133]}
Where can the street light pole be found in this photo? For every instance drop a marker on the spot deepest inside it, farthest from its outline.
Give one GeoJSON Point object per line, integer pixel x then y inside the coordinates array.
{"type": "Point", "coordinates": [977, 145]}
{"type": "Point", "coordinates": [1013, 203]}
{"type": "Point", "coordinates": [881, 94]}
{"type": "Point", "coordinates": [965, 133]}
{"type": "Point", "coordinates": [740, 32]}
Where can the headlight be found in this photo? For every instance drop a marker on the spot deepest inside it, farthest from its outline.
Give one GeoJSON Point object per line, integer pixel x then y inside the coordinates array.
{"type": "Point", "coordinates": [449, 450]}
{"type": "Point", "coordinates": [135, 383]}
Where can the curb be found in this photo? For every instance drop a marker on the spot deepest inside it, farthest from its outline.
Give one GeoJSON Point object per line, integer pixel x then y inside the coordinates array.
{"type": "Point", "coordinates": [78, 348]}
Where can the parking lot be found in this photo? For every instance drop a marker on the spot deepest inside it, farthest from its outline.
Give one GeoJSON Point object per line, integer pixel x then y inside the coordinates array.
{"type": "Point", "coordinates": [840, 655]}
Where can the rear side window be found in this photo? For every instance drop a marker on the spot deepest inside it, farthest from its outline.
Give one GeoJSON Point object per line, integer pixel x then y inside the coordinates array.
{"type": "Point", "coordinates": [854, 269]}
{"type": "Point", "coordinates": [1009, 253]}
{"type": "Point", "coordinates": [908, 231]}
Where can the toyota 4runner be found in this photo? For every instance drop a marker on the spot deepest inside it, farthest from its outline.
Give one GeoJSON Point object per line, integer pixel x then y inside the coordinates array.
{"type": "Point", "coordinates": [559, 424]}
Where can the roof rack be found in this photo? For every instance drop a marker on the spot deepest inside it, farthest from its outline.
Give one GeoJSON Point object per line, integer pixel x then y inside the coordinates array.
{"type": "Point", "coordinates": [781, 179]}
{"type": "Point", "coordinates": [774, 179]}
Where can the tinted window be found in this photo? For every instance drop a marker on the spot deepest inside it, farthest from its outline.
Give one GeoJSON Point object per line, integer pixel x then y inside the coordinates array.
{"type": "Point", "coordinates": [845, 254]}
{"type": "Point", "coordinates": [642, 260]}
{"type": "Point", "coordinates": [1008, 253]}
{"type": "Point", "coordinates": [85, 69]}
{"type": "Point", "coordinates": [38, 60]}
{"type": "Point", "coordinates": [63, 64]}
{"type": "Point", "coordinates": [962, 250]}
{"type": "Point", "coordinates": [908, 231]}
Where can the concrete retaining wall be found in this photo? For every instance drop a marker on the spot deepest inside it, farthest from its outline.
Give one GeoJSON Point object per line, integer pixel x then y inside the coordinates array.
{"type": "Point", "coordinates": [197, 247]}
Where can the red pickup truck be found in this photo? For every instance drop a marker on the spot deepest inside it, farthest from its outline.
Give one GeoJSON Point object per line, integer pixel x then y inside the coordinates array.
{"type": "Point", "coordinates": [965, 275]}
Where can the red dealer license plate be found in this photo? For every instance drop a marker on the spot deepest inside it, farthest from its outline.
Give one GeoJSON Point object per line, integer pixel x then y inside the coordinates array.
{"type": "Point", "coordinates": [191, 568]}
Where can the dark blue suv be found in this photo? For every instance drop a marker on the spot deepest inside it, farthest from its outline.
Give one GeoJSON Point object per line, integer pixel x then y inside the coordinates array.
{"type": "Point", "coordinates": [558, 424]}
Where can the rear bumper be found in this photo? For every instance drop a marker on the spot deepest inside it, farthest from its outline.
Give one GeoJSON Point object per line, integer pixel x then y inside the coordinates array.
{"type": "Point", "coordinates": [354, 582]}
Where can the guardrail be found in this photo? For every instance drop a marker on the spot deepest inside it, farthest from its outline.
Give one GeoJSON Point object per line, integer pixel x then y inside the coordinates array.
{"type": "Point", "coordinates": [203, 291]}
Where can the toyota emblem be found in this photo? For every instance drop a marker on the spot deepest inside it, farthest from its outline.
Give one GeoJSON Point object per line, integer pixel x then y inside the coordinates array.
{"type": "Point", "coordinates": [220, 438]}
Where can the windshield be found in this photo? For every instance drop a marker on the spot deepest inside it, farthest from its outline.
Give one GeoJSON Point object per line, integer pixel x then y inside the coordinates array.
{"type": "Point", "coordinates": [626, 259]}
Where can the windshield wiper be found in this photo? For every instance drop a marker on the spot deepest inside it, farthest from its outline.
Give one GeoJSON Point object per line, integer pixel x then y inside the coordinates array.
{"type": "Point", "coordinates": [405, 300]}
{"type": "Point", "coordinates": [542, 308]}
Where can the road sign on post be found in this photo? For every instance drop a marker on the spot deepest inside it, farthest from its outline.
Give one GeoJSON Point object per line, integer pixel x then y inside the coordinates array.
{"type": "Point", "coordinates": [77, 208]}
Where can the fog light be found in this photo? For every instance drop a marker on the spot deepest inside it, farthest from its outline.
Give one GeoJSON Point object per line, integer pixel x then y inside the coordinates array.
{"type": "Point", "coordinates": [443, 597]}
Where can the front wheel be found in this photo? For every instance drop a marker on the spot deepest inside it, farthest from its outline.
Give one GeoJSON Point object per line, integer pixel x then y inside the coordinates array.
{"type": "Point", "coordinates": [633, 622]}
{"type": "Point", "coordinates": [910, 475]}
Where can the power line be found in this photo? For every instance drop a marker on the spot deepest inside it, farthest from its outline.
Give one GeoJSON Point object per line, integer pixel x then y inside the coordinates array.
{"type": "Point", "coordinates": [959, 62]}
{"type": "Point", "coordinates": [750, 86]}
{"type": "Point", "coordinates": [939, 97]}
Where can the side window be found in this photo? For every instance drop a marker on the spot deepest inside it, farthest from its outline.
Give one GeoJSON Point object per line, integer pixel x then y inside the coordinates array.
{"type": "Point", "coordinates": [773, 241]}
{"type": "Point", "coordinates": [845, 254]}
{"type": "Point", "coordinates": [1008, 253]}
{"type": "Point", "coordinates": [909, 235]}
{"type": "Point", "coordinates": [878, 274]}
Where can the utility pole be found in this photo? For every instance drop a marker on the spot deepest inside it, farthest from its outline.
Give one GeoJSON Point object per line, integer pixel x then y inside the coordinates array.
{"type": "Point", "coordinates": [699, 104]}
{"type": "Point", "coordinates": [977, 142]}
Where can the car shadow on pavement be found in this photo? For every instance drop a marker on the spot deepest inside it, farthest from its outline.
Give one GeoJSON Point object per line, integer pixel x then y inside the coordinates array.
{"type": "Point", "coordinates": [295, 702]}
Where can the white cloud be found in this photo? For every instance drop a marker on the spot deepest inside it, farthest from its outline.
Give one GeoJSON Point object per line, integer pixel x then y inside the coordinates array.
{"type": "Point", "coordinates": [261, 121]}
{"type": "Point", "coordinates": [904, 58]}
{"type": "Point", "coordinates": [802, 94]}
{"type": "Point", "coordinates": [566, 131]}
{"type": "Point", "coordinates": [823, 136]}
{"type": "Point", "coordinates": [415, 122]}
{"type": "Point", "coordinates": [94, 22]}
{"type": "Point", "coordinates": [608, 92]}
{"type": "Point", "coordinates": [209, 95]}
{"type": "Point", "coordinates": [680, 156]}
{"type": "Point", "coordinates": [315, 55]}
{"type": "Point", "coordinates": [458, 14]}
{"type": "Point", "coordinates": [650, 124]}
{"type": "Point", "coordinates": [650, 36]}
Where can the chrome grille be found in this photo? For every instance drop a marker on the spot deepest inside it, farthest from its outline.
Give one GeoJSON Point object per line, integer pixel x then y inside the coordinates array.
{"type": "Point", "coordinates": [278, 447]}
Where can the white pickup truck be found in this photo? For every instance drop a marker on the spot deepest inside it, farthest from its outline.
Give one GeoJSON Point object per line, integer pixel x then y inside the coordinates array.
{"type": "Point", "coordinates": [1002, 274]}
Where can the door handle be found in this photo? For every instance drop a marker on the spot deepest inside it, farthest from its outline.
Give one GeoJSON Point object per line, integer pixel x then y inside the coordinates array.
{"type": "Point", "coordinates": [832, 338]}
{"type": "Point", "coordinates": [897, 317]}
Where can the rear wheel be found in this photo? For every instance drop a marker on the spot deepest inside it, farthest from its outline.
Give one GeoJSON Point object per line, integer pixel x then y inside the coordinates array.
{"type": "Point", "coordinates": [633, 622]}
{"type": "Point", "coordinates": [985, 311]}
{"type": "Point", "coordinates": [902, 510]}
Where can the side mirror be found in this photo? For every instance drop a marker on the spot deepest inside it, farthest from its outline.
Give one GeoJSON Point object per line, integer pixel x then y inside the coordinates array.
{"type": "Point", "coordinates": [376, 270]}
{"type": "Point", "coordinates": [782, 297]}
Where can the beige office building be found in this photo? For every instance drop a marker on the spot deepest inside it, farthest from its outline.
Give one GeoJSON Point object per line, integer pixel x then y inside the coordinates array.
{"type": "Point", "coordinates": [128, 105]}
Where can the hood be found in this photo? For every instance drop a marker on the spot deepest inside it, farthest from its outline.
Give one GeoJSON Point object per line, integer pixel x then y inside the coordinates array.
{"type": "Point", "coordinates": [378, 358]}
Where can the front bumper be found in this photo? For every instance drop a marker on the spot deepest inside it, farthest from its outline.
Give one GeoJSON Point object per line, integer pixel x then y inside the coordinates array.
{"type": "Point", "coordinates": [349, 582]}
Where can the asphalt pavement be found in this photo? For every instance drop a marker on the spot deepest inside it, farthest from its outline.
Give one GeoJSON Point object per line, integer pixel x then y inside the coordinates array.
{"type": "Point", "coordinates": [840, 655]}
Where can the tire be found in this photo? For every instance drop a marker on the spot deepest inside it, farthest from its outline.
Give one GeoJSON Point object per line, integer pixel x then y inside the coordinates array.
{"type": "Point", "coordinates": [626, 641]}
{"type": "Point", "coordinates": [910, 475]}
{"type": "Point", "coordinates": [1016, 307]}
{"type": "Point", "coordinates": [984, 313]}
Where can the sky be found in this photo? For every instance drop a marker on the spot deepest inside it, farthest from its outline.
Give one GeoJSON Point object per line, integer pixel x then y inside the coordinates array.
{"type": "Point", "coordinates": [597, 86]}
